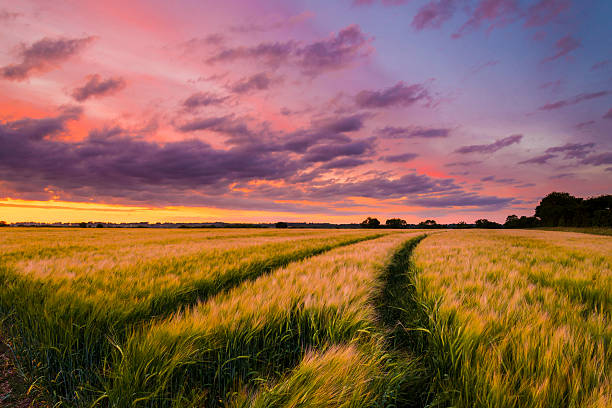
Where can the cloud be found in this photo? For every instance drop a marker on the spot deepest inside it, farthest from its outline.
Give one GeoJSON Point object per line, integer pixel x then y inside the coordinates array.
{"type": "Point", "coordinates": [257, 82]}
{"type": "Point", "coordinates": [542, 159]}
{"type": "Point", "coordinates": [42, 56]}
{"type": "Point", "coordinates": [433, 14]}
{"type": "Point", "coordinates": [399, 94]}
{"type": "Point", "coordinates": [393, 132]}
{"type": "Point", "coordinates": [491, 147]}
{"type": "Point", "coordinates": [344, 163]}
{"type": "Point", "coordinates": [564, 46]}
{"type": "Point", "coordinates": [598, 159]}
{"type": "Point", "coordinates": [335, 52]}
{"type": "Point", "coordinates": [200, 99]}
{"type": "Point", "coordinates": [572, 150]}
{"type": "Point", "coordinates": [383, 2]}
{"type": "Point", "coordinates": [544, 11]}
{"type": "Point", "coordinates": [340, 124]}
{"type": "Point", "coordinates": [6, 15]}
{"type": "Point", "coordinates": [463, 163]}
{"type": "Point", "coordinates": [583, 125]}
{"type": "Point", "coordinates": [461, 199]}
{"type": "Point", "coordinates": [562, 175]}
{"type": "Point", "coordinates": [97, 87]}
{"type": "Point", "coordinates": [273, 25]}
{"type": "Point", "coordinates": [235, 128]}
{"type": "Point", "coordinates": [399, 158]}
{"type": "Point", "coordinates": [608, 115]}
{"type": "Point", "coordinates": [600, 65]}
{"type": "Point", "coordinates": [495, 13]}
{"type": "Point", "coordinates": [573, 101]}
{"type": "Point", "coordinates": [330, 151]}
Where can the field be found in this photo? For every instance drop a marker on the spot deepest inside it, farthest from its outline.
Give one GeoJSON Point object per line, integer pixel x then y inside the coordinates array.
{"type": "Point", "coordinates": [308, 318]}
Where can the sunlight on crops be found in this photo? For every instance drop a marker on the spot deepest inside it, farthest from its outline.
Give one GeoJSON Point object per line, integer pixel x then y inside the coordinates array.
{"type": "Point", "coordinates": [521, 318]}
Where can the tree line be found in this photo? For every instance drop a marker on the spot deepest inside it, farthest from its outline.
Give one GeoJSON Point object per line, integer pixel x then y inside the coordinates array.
{"type": "Point", "coordinates": [555, 210]}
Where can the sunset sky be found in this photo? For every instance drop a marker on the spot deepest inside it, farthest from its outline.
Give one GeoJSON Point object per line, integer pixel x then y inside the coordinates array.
{"type": "Point", "coordinates": [314, 110]}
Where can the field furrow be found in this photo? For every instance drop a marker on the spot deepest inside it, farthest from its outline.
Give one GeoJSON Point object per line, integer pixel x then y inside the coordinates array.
{"type": "Point", "coordinates": [254, 331]}
{"type": "Point", "coordinates": [65, 322]}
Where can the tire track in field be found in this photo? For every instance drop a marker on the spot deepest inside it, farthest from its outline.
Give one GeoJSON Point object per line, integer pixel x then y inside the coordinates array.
{"type": "Point", "coordinates": [68, 374]}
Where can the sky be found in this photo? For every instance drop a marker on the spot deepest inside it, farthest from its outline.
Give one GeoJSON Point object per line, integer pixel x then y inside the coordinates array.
{"type": "Point", "coordinates": [313, 111]}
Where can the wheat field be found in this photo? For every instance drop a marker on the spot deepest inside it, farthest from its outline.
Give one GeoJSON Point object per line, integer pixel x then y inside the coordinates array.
{"type": "Point", "coordinates": [309, 318]}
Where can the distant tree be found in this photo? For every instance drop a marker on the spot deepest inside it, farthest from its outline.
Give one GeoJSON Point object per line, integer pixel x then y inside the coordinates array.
{"type": "Point", "coordinates": [281, 224]}
{"type": "Point", "coordinates": [429, 224]}
{"type": "Point", "coordinates": [462, 225]}
{"type": "Point", "coordinates": [484, 223]}
{"type": "Point", "coordinates": [395, 223]}
{"type": "Point", "coordinates": [370, 222]}
{"type": "Point", "coordinates": [83, 224]}
{"type": "Point", "coordinates": [100, 225]}
{"type": "Point", "coordinates": [3, 224]}
{"type": "Point", "coordinates": [512, 221]}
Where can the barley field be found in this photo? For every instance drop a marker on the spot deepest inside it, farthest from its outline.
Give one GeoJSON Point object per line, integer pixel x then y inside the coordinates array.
{"type": "Point", "coordinates": [308, 318]}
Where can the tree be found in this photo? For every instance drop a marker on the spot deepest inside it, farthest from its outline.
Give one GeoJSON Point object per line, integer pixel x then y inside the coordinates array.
{"type": "Point", "coordinates": [429, 224]}
{"type": "Point", "coordinates": [370, 222]}
{"type": "Point", "coordinates": [100, 225]}
{"type": "Point", "coordinates": [395, 223]}
{"type": "Point", "coordinates": [83, 224]}
{"type": "Point", "coordinates": [281, 224]}
{"type": "Point", "coordinates": [462, 225]}
{"type": "Point", "coordinates": [484, 223]}
{"type": "Point", "coordinates": [558, 208]}
{"type": "Point", "coordinates": [3, 224]}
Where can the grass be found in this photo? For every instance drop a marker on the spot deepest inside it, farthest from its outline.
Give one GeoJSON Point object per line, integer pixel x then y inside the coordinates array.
{"type": "Point", "coordinates": [67, 311]}
{"type": "Point", "coordinates": [512, 321]}
{"type": "Point", "coordinates": [254, 331]}
{"type": "Point", "coordinates": [266, 318]}
{"type": "Point", "coordinates": [583, 230]}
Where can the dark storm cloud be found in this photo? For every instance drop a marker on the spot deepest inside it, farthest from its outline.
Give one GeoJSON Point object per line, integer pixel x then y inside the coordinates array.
{"type": "Point", "coordinates": [393, 132]}
{"type": "Point", "coordinates": [257, 82]}
{"type": "Point", "coordinates": [200, 99]}
{"type": "Point", "coordinates": [491, 147]}
{"type": "Point", "coordinates": [399, 94]}
{"type": "Point", "coordinates": [399, 158]}
{"type": "Point", "coordinates": [96, 87]}
{"type": "Point", "coordinates": [564, 46]}
{"type": "Point", "coordinates": [572, 150]}
{"type": "Point", "coordinates": [598, 159]}
{"type": "Point", "coordinates": [42, 56]}
{"type": "Point", "coordinates": [335, 52]}
{"type": "Point", "coordinates": [573, 101]}
{"type": "Point", "coordinates": [542, 159]}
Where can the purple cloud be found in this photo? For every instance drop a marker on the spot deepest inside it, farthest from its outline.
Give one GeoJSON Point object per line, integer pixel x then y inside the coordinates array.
{"type": "Point", "coordinates": [335, 52]}
{"type": "Point", "coordinates": [340, 124]}
{"type": "Point", "coordinates": [598, 159]}
{"type": "Point", "coordinates": [608, 115]}
{"type": "Point", "coordinates": [42, 56]}
{"type": "Point", "coordinates": [461, 199]}
{"type": "Point", "coordinates": [6, 15]}
{"type": "Point", "coordinates": [199, 99]}
{"type": "Point", "coordinates": [97, 87]}
{"type": "Point", "coordinates": [564, 46]}
{"type": "Point", "coordinates": [572, 150]}
{"type": "Point", "coordinates": [38, 129]}
{"type": "Point", "coordinates": [561, 176]}
{"type": "Point", "coordinates": [392, 132]}
{"type": "Point", "coordinates": [433, 14]}
{"type": "Point", "coordinates": [544, 11]}
{"type": "Point", "coordinates": [344, 163]}
{"type": "Point", "coordinates": [463, 163]}
{"type": "Point", "coordinates": [491, 147]}
{"type": "Point", "coordinates": [399, 158]}
{"type": "Point", "coordinates": [398, 95]}
{"type": "Point", "coordinates": [542, 159]}
{"type": "Point", "coordinates": [383, 2]}
{"type": "Point", "coordinates": [600, 64]}
{"type": "Point", "coordinates": [496, 13]}
{"type": "Point", "coordinates": [327, 152]}
{"type": "Point", "coordinates": [257, 82]}
{"type": "Point", "coordinates": [573, 101]}
{"type": "Point", "coordinates": [583, 125]}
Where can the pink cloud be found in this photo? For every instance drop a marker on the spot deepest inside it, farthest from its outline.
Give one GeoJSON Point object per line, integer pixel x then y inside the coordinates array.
{"type": "Point", "coordinates": [564, 46]}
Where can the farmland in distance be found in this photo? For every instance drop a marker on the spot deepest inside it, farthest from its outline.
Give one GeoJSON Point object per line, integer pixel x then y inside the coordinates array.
{"type": "Point", "coordinates": [309, 318]}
